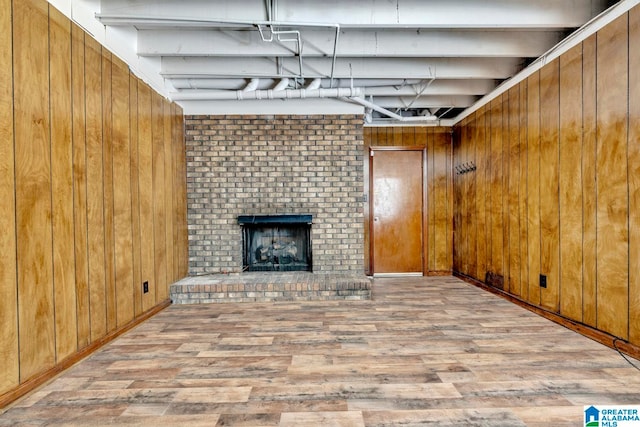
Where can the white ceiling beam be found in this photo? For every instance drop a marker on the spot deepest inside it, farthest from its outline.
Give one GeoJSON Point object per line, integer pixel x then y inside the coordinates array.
{"type": "Point", "coordinates": [381, 87]}
{"type": "Point", "coordinates": [367, 13]}
{"type": "Point", "coordinates": [429, 101]}
{"type": "Point", "coordinates": [396, 68]}
{"type": "Point", "coordinates": [272, 106]}
{"type": "Point", "coordinates": [437, 87]}
{"type": "Point", "coordinates": [450, 13]}
{"type": "Point", "coordinates": [253, 10]}
{"type": "Point", "coordinates": [352, 42]}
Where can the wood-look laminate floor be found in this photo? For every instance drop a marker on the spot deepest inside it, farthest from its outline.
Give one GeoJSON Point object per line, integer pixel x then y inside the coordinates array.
{"type": "Point", "coordinates": [424, 351]}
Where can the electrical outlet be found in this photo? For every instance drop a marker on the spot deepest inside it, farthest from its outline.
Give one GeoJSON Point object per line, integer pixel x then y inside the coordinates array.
{"type": "Point", "coordinates": [543, 281]}
{"type": "Point", "coordinates": [145, 287]}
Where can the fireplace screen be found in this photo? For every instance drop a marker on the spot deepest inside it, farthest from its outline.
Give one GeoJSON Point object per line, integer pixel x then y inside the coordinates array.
{"type": "Point", "coordinates": [276, 242]}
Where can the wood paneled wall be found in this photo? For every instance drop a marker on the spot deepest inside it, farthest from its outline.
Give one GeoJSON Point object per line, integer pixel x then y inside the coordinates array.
{"type": "Point", "coordinates": [438, 233]}
{"type": "Point", "coordinates": [93, 189]}
{"type": "Point", "coordinates": [557, 186]}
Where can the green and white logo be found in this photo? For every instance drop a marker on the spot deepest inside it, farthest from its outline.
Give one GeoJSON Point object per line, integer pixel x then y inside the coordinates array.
{"type": "Point", "coordinates": [612, 416]}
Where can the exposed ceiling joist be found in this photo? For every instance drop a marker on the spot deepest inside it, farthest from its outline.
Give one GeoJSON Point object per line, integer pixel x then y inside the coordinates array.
{"type": "Point", "coordinates": [369, 13]}
{"type": "Point", "coordinates": [369, 68]}
{"type": "Point", "coordinates": [438, 56]}
{"type": "Point", "coordinates": [352, 43]}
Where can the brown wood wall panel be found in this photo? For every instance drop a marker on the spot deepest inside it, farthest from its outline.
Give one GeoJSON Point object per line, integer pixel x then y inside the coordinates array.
{"type": "Point", "coordinates": [135, 195]}
{"type": "Point", "coordinates": [612, 185]}
{"type": "Point", "coordinates": [431, 204]}
{"type": "Point", "coordinates": [458, 232]}
{"type": "Point", "coordinates": [168, 188]}
{"type": "Point", "coordinates": [183, 237]}
{"type": "Point", "coordinates": [145, 162]}
{"type": "Point", "coordinates": [159, 217]}
{"type": "Point", "coordinates": [71, 181]}
{"type": "Point", "coordinates": [513, 189]}
{"type": "Point", "coordinates": [549, 179]}
{"type": "Point", "coordinates": [122, 217]}
{"type": "Point", "coordinates": [533, 186]}
{"type": "Point", "coordinates": [368, 134]}
{"type": "Point", "coordinates": [80, 188]}
{"type": "Point", "coordinates": [634, 175]}
{"type": "Point", "coordinates": [62, 184]}
{"type": "Point", "coordinates": [481, 177]}
{"type": "Point", "coordinates": [464, 218]}
{"type": "Point", "coordinates": [408, 135]}
{"type": "Point", "coordinates": [570, 170]}
{"type": "Point", "coordinates": [472, 259]}
{"type": "Point", "coordinates": [107, 170]}
{"type": "Point", "coordinates": [9, 370]}
{"type": "Point", "coordinates": [505, 188]}
{"type": "Point", "coordinates": [442, 177]}
{"type": "Point", "coordinates": [438, 235]}
{"type": "Point", "coordinates": [95, 189]}
{"type": "Point", "coordinates": [589, 256]}
{"type": "Point", "coordinates": [495, 202]}
{"type": "Point", "coordinates": [575, 170]}
{"type": "Point", "coordinates": [523, 193]}
{"type": "Point", "coordinates": [397, 135]}
{"type": "Point", "coordinates": [33, 186]}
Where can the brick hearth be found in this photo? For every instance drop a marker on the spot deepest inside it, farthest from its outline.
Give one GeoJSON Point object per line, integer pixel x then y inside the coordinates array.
{"type": "Point", "coordinates": [264, 287]}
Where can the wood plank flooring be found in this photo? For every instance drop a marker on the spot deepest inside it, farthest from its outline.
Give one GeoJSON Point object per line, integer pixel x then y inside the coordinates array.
{"type": "Point", "coordinates": [423, 351]}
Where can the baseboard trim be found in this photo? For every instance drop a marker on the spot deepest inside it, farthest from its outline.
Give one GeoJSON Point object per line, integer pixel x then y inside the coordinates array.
{"type": "Point", "coordinates": [588, 331]}
{"type": "Point", "coordinates": [41, 378]}
{"type": "Point", "coordinates": [439, 273]}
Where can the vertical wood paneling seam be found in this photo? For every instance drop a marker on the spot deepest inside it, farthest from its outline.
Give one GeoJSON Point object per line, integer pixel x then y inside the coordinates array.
{"type": "Point", "coordinates": [15, 192]}
{"type": "Point", "coordinates": [153, 204]}
{"type": "Point", "coordinates": [628, 186]}
{"type": "Point", "coordinates": [86, 185]}
{"type": "Point", "coordinates": [104, 219]}
{"type": "Point", "coordinates": [131, 183]}
{"type": "Point", "coordinates": [558, 142]}
{"type": "Point", "coordinates": [73, 186]}
{"type": "Point", "coordinates": [111, 230]}
{"type": "Point", "coordinates": [505, 178]}
{"type": "Point", "coordinates": [53, 250]}
{"type": "Point", "coordinates": [449, 201]}
{"type": "Point", "coordinates": [489, 197]}
{"type": "Point", "coordinates": [113, 197]}
{"type": "Point", "coordinates": [595, 173]}
{"type": "Point", "coordinates": [582, 123]}
{"type": "Point", "coordinates": [526, 115]}
{"type": "Point", "coordinates": [539, 186]}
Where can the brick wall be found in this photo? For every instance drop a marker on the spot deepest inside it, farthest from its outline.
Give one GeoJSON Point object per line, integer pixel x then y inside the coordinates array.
{"type": "Point", "coordinates": [246, 165]}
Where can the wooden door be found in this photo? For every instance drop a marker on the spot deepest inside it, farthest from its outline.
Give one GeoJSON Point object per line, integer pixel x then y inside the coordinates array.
{"type": "Point", "coordinates": [397, 210]}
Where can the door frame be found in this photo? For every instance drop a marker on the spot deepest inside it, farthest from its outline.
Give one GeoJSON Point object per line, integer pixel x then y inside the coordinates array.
{"type": "Point", "coordinates": [369, 211]}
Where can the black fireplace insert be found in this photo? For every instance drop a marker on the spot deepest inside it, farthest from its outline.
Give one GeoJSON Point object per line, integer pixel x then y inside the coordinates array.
{"type": "Point", "coordinates": [276, 242]}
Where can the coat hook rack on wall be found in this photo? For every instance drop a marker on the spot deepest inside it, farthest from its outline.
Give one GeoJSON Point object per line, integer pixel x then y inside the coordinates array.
{"type": "Point", "coordinates": [463, 168]}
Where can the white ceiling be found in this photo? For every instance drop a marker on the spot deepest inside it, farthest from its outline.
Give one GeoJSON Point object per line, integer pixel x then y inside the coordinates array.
{"type": "Point", "coordinates": [424, 58]}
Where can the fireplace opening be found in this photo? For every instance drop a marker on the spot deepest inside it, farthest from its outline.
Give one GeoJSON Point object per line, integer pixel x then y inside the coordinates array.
{"type": "Point", "coordinates": [276, 242]}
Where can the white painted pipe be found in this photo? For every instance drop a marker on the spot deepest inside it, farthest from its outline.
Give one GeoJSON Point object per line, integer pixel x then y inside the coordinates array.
{"type": "Point", "coordinates": [237, 84]}
{"type": "Point", "coordinates": [315, 84]}
{"type": "Point", "coordinates": [220, 84]}
{"type": "Point", "coordinates": [391, 114]}
{"type": "Point", "coordinates": [239, 95]}
{"type": "Point", "coordinates": [282, 84]}
{"type": "Point", "coordinates": [252, 85]}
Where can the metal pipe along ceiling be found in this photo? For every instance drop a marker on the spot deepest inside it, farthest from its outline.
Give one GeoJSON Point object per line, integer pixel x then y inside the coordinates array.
{"type": "Point", "coordinates": [379, 109]}
{"type": "Point", "coordinates": [240, 95]}
{"type": "Point", "coordinates": [391, 85]}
